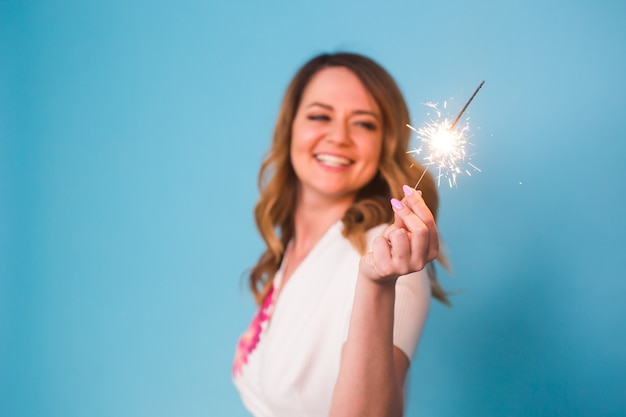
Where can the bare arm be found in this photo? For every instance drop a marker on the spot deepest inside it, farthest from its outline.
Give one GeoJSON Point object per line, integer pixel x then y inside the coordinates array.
{"type": "Point", "coordinates": [372, 371]}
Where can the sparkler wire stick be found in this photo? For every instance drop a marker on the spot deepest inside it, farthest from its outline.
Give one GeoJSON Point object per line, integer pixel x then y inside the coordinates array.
{"type": "Point", "coordinates": [420, 180]}
{"type": "Point", "coordinates": [446, 149]}
{"type": "Point", "coordinates": [465, 107]}
{"type": "Point", "coordinates": [425, 169]}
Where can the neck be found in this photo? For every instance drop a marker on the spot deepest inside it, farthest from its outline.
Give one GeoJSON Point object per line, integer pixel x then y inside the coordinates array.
{"type": "Point", "coordinates": [313, 218]}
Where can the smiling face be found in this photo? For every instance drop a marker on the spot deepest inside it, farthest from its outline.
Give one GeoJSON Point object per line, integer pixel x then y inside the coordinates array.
{"type": "Point", "coordinates": [336, 136]}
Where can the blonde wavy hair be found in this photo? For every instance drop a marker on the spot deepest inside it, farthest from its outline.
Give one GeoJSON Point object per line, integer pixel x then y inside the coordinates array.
{"type": "Point", "coordinates": [274, 212]}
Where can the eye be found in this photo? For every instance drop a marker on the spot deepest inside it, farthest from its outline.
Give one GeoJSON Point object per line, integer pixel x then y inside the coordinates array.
{"type": "Point", "coordinates": [371, 126]}
{"type": "Point", "coordinates": [318, 117]}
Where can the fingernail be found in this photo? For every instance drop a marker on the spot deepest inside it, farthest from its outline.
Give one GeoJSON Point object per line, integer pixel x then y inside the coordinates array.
{"type": "Point", "coordinates": [419, 192]}
{"type": "Point", "coordinates": [407, 190]}
{"type": "Point", "coordinates": [396, 204]}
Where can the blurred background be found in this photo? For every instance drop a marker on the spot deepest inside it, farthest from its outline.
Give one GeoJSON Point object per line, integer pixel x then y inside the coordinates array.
{"type": "Point", "coordinates": [131, 133]}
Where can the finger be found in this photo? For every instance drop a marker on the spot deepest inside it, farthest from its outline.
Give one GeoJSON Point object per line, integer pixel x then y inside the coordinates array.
{"type": "Point", "coordinates": [381, 259]}
{"type": "Point", "coordinates": [389, 229]}
{"type": "Point", "coordinates": [412, 245]}
{"type": "Point", "coordinates": [401, 252]}
{"type": "Point", "coordinates": [419, 234]}
{"type": "Point", "coordinates": [406, 218]}
{"type": "Point", "coordinates": [414, 200]}
{"type": "Point", "coordinates": [398, 207]}
{"type": "Point", "coordinates": [418, 206]}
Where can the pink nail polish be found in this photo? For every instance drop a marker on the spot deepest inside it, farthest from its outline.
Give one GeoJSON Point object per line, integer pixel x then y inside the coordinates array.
{"type": "Point", "coordinates": [407, 190]}
{"type": "Point", "coordinates": [396, 204]}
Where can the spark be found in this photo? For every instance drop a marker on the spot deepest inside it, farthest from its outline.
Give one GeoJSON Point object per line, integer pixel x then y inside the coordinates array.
{"type": "Point", "coordinates": [445, 144]}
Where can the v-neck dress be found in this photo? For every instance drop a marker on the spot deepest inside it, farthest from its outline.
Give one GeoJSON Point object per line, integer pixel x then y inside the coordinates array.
{"type": "Point", "coordinates": [287, 362]}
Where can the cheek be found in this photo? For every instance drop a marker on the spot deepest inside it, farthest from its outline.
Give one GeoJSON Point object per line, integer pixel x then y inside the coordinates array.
{"type": "Point", "coordinates": [300, 146]}
{"type": "Point", "coordinates": [303, 143]}
{"type": "Point", "coordinates": [374, 149]}
{"type": "Point", "coordinates": [299, 136]}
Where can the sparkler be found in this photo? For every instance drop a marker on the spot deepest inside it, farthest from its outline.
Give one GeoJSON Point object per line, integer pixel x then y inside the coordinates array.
{"type": "Point", "coordinates": [445, 144]}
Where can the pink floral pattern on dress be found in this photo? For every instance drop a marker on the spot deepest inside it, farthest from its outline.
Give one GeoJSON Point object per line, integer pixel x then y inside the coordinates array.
{"type": "Point", "coordinates": [249, 340]}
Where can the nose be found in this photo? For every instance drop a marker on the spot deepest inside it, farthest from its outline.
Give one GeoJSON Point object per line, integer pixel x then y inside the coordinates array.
{"type": "Point", "coordinates": [339, 133]}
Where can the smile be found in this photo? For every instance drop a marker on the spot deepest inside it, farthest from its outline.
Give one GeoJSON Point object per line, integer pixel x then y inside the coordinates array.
{"type": "Point", "coordinates": [333, 160]}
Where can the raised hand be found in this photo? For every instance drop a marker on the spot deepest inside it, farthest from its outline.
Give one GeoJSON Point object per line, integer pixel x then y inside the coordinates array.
{"type": "Point", "coordinates": [407, 245]}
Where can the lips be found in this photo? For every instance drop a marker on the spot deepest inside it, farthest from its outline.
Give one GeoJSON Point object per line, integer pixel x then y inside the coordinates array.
{"type": "Point", "coordinates": [333, 160]}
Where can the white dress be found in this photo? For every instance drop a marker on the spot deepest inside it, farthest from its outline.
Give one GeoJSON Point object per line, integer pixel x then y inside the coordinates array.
{"type": "Point", "coordinates": [287, 363]}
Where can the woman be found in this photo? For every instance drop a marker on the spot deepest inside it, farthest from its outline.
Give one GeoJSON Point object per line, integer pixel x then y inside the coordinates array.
{"type": "Point", "coordinates": [344, 285]}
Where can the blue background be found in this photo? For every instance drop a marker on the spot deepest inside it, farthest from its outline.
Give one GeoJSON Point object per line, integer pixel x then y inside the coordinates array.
{"type": "Point", "coordinates": [131, 133]}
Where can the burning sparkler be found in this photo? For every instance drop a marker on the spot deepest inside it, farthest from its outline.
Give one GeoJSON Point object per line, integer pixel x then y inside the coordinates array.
{"type": "Point", "coordinates": [445, 145]}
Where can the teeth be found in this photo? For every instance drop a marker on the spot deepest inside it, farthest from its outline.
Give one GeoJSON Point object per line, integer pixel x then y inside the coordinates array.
{"type": "Point", "coordinates": [333, 160]}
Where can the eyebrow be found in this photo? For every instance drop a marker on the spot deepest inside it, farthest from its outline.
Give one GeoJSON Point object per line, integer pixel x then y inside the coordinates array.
{"type": "Point", "coordinates": [329, 107]}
